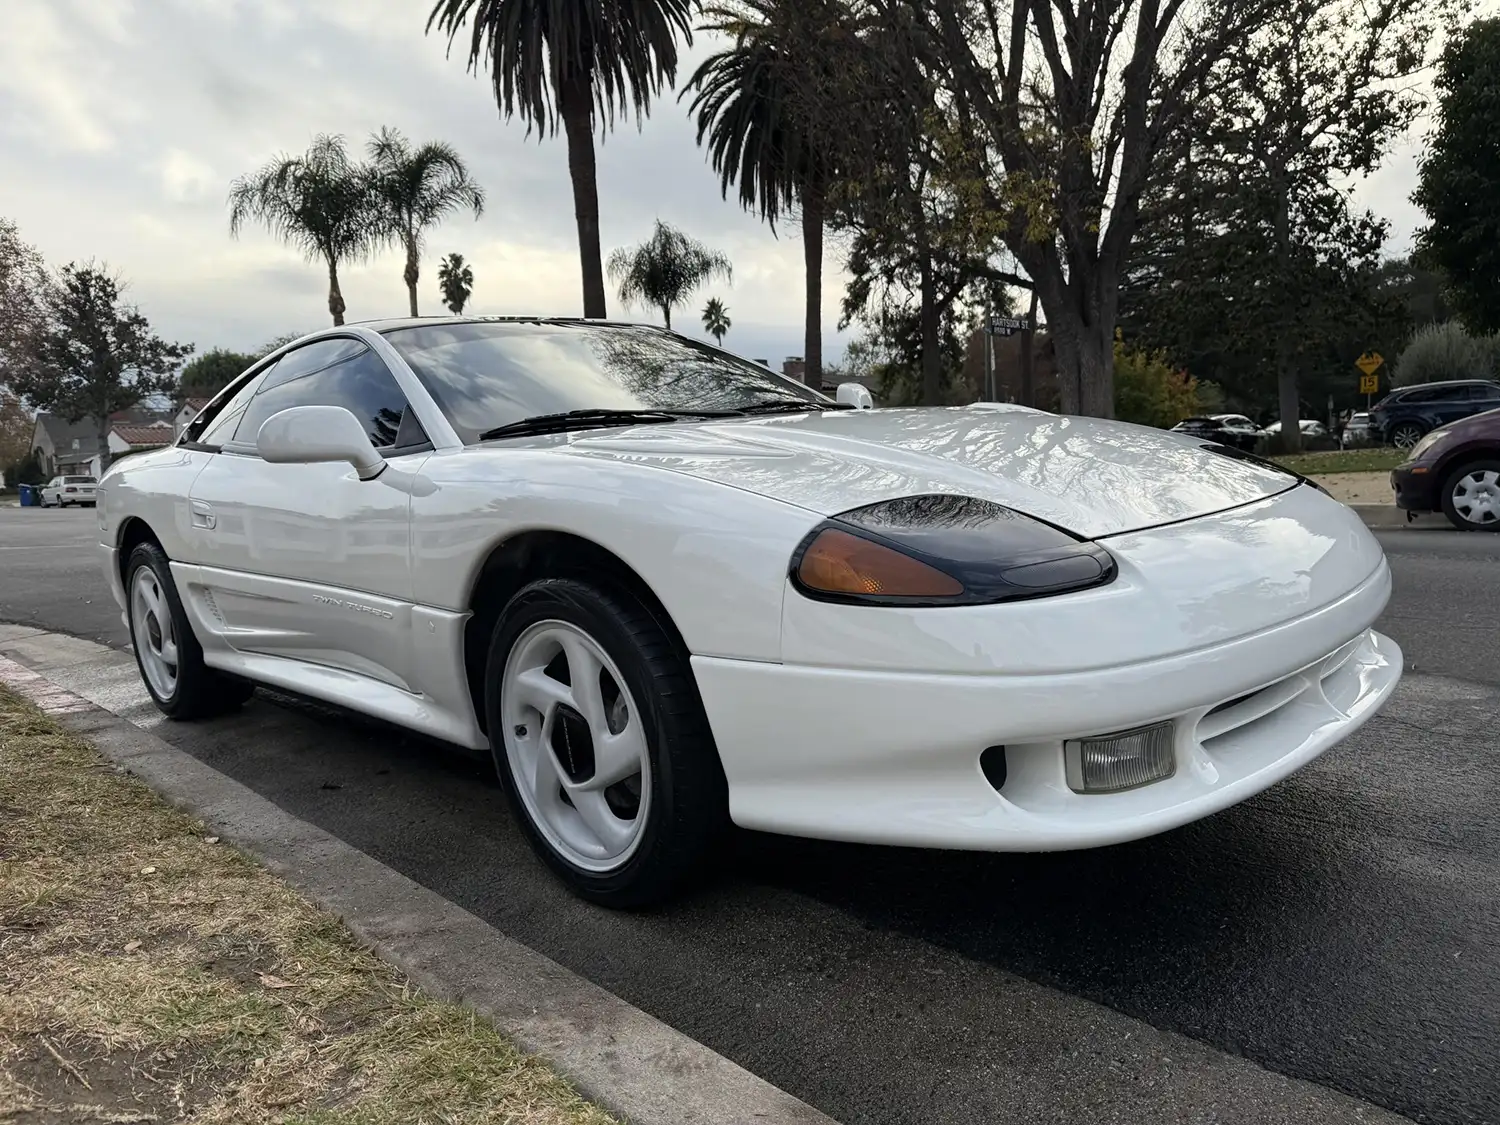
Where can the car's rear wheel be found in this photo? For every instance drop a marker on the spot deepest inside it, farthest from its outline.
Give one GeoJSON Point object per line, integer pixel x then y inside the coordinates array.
{"type": "Point", "coordinates": [602, 744]}
{"type": "Point", "coordinates": [1406, 435]}
{"type": "Point", "coordinates": [1471, 496]}
{"type": "Point", "coordinates": [166, 651]}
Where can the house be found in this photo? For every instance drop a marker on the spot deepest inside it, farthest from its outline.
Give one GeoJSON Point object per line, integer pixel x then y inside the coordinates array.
{"type": "Point", "coordinates": [126, 438]}
{"type": "Point", "coordinates": [73, 447]}
{"type": "Point", "coordinates": [186, 413]}
{"type": "Point", "coordinates": [65, 447]}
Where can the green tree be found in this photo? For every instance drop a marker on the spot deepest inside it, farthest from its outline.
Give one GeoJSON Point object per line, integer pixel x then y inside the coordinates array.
{"type": "Point", "coordinates": [1447, 351]}
{"type": "Point", "coordinates": [211, 372]}
{"type": "Point", "coordinates": [96, 354]}
{"type": "Point", "coordinates": [1459, 185]}
{"type": "Point", "coordinates": [716, 320]}
{"type": "Point", "coordinates": [1149, 390]}
{"type": "Point", "coordinates": [757, 107]}
{"type": "Point", "coordinates": [574, 64]}
{"type": "Point", "coordinates": [415, 190]}
{"type": "Point", "coordinates": [456, 280]}
{"type": "Point", "coordinates": [16, 428]}
{"type": "Point", "coordinates": [322, 203]}
{"type": "Point", "coordinates": [664, 270]}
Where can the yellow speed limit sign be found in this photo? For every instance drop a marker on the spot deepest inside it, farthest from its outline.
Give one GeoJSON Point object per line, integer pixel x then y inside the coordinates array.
{"type": "Point", "coordinates": [1369, 384]}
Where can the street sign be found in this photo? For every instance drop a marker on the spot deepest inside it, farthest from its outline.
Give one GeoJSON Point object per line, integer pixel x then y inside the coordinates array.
{"type": "Point", "coordinates": [1368, 363]}
{"type": "Point", "coordinates": [1008, 325]}
{"type": "Point", "coordinates": [1369, 384]}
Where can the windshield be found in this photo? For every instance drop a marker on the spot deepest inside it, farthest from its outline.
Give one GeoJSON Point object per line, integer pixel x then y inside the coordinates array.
{"type": "Point", "coordinates": [78, 480]}
{"type": "Point", "coordinates": [489, 374]}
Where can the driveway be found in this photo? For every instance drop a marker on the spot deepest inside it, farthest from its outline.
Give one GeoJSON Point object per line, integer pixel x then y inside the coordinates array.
{"type": "Point", "coordinates": [1343, 928]}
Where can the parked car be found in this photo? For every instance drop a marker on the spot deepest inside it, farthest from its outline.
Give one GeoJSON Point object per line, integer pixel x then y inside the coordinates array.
{"type": "Point", "coordinates": [1455, 470]}
{"type": "Point", "coordinates": [670, 590]}
{"type": "Point", "coordinates": [59, 492]}
{"type": "Point", "coordinates": [1356, 431]}
{"type": "Point", "coordinates": [1404, 415]}
{"type": "Point", "coordinates": [1229, 429]}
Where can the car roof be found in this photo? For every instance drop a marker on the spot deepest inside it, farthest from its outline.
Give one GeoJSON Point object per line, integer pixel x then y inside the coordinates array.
{"type": "Point", "coordinates": [388, 324]}
{"type": "Point", "coordinates": [1447, 383]}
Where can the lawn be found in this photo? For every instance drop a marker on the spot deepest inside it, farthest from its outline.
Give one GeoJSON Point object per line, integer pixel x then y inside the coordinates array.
{"type": "Point", "coordinates": [1375, 459]}
{"type": "Point", "coordinates": [148, 972]}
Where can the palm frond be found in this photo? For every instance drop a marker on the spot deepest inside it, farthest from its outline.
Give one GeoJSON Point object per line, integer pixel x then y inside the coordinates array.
{"type": "Point", "coordinates": [625, 51]}
{"type": "Point", "coordinates": [665, 269]}
{"type": "Point", "coordinates": [321, 202]}
{"type": "Point", "coordinates": [416, 188]}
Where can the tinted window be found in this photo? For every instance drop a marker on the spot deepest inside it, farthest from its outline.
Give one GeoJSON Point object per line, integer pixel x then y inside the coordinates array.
{"type": "Point", "coordinates": [489, 374]}
{"type": "Point", "coordinates": [214, 430]}
{"type": "Point", "coordinates": [1427, 394]}
{"type": "Point", "coordinates": [1482, 392]}
{"type": "Point", "coordinates": [361, 384]}
{"type": "Point", "coordinates": [311, 357]}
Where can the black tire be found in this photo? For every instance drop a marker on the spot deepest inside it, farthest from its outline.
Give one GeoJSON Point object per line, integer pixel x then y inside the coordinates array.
{"type": "Point", "coordinates": [688, 814]}
{"type": "Point", "coordinates": [1455, 517]}
{"type": "Point", "coordinates": [1411, 431]}
{"type": "Point", "coordinates": [200, 692]}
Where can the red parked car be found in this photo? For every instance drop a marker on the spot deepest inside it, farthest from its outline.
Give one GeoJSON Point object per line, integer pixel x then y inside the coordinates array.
{"type": "Point", "coordinates": [1455, 470]}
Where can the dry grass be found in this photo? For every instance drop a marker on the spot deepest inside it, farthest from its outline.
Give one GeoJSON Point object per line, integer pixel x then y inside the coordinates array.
{"type": "Point", "coordinates": [150, 973]}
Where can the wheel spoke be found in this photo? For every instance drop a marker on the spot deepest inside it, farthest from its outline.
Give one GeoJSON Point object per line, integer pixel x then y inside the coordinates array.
{"type": "Point", "coordinates": [168, 651]}
{"type": "Point", "coordinates": [611, 832]}
{"type": "Point", "coordinates": [618, 756]}
{"type": "Point", "coordinates": [152, 593]}
{"type": "Point", "coordinates": [583, 674]}
{"type": "Point", "coordinates": [540, 692]}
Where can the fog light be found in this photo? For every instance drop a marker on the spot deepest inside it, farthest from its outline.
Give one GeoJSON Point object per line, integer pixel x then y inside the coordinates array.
{"type": "Point", "coordinates": [1116, 762]}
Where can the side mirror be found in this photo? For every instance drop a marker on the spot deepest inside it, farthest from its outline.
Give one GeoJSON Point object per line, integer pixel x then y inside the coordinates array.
{"type": "Point", "coordinates": [304, 435]}
{"type": "Point", "coordinates": [854, 394]}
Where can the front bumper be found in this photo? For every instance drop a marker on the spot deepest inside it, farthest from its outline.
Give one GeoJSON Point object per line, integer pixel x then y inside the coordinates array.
{"type": "Point", "coordinates": [894, 758]}
{"type": "Point", "coordinates": [1416, 487]}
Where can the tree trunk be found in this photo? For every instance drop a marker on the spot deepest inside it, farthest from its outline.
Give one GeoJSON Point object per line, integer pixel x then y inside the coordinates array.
{"type": "Point", "coordinates": [812, 260]}
{"type": "Point", "coordinates": [1286, 368]}
{"type": "Point", "coordinates": [103, 437]}
{"type": "Point", "coordinates": [335, 294]}
{"type": "Point", "coordinates": [932, 359]}
{"type": "Point", "coordinates": [576, 104]}
{"type": "Point", "coordinates": [1082, 333]}
{"type": "Point", "coordinates": [412, 273]}
{"type": "Point", "coordinates": [1028, 357]}
{"type": "Point", "coordinates": [666, 312]}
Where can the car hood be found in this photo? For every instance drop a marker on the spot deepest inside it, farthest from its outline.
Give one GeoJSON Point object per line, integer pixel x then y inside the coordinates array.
{"type": "Point", "coordinates": [1090, 476]}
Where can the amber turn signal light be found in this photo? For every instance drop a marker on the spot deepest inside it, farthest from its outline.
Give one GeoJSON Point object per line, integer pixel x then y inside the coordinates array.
{"type": "Point", "coordinates": [839, 563]}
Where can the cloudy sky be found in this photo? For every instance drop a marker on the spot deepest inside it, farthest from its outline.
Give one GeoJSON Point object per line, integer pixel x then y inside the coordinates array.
{"type": "Point", "coordinates": [122, 123]}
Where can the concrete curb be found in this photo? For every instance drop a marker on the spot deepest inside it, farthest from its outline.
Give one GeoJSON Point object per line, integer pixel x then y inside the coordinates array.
{"type": "Point", "coordinates": [615, 1054]}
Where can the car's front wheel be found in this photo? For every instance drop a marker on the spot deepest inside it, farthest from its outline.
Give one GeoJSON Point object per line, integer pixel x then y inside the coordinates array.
{"type": "Point", "coordinates": [1471, 496]}
{"type": "Point", "coordinates": [166, 650]}
{"type": "Point", "coordinates": [1406, 435]}
{"type": "Point", "coordinates": [602, 744]}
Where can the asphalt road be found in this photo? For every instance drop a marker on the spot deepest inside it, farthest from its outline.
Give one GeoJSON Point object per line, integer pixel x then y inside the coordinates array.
{"type": "Point", "coordinates": [1342, 928]}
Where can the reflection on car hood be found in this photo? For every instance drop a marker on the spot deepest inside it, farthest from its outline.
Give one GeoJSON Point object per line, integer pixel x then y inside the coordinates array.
{"type": "Point", "coordinates": [1091, 476]}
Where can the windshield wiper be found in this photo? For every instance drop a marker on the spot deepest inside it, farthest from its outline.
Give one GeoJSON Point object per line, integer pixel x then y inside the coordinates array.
{"type": "Point", "coordinates": [586, 419]}
{"type": "Point", "coordinates": [792, 406]}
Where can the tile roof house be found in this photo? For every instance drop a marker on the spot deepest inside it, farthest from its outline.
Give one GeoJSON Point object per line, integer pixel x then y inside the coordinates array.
{"type": "Point", "coordinates": [126, 438]}
{"type": "Point", "coordinates": [186, 413]}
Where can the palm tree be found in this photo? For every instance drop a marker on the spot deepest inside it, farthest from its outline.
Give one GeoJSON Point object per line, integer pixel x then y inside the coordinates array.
{"type": "Point", "coordinates": [456, 280]}
{"type": "Point", "coordinates": [416, 189]}
{"type": "Point", "coordinates": [320, 202]}
{"type": "Point", "coordinates": [750, 106]}
{"type": "Point", "coordinates": [665, 269]}
{"type": "Point", "coordinates": [716, 320]}
{"type": "Point", "coordinates": [574, 62]}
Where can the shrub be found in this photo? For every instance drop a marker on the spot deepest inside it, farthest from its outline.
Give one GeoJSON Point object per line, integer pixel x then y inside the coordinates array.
{"type": "Point", "coordinates": [1149, 390]}
{"type": "Point", "coordinates": [1446, 351]}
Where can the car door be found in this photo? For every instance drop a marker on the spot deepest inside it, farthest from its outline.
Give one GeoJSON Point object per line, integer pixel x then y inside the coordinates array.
{"type": "Point", "coordinates": [308, 562]}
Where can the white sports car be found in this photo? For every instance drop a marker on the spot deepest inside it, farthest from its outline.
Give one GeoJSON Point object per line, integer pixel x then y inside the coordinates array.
{"type": "Point", "coordinates": [673, 590]}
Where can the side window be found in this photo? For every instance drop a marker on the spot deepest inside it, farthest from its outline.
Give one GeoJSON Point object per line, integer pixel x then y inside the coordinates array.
{"type": "Point", "coordinates": [361, 384]}
{"type": "Point", "coordinates": [213, 430]}
{"type": "Point", "coordinates": [1412, 398]}
{"type": "Point", "coordinates": [1481, 392]}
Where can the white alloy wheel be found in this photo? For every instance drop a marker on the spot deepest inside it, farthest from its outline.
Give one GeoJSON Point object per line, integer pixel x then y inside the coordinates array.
{"type": "Point", "coordinates": [1406, 436]}
{"type": "Point", "coordinates": [576, 746]}
{"type": "Point", "coordinates": [155, 638]}
{"type": "Point", "coordinates": [1476, 497]}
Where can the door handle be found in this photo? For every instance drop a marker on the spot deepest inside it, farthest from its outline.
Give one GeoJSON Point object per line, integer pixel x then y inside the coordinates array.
{"type": "Point", "coordinates": [203, 515]}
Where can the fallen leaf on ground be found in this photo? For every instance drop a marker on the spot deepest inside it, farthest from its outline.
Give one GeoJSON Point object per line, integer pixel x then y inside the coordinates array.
{"type": "Point", "coordinates": [269, 981]}
{"type": "Point", "coordinates": [132, 946]}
